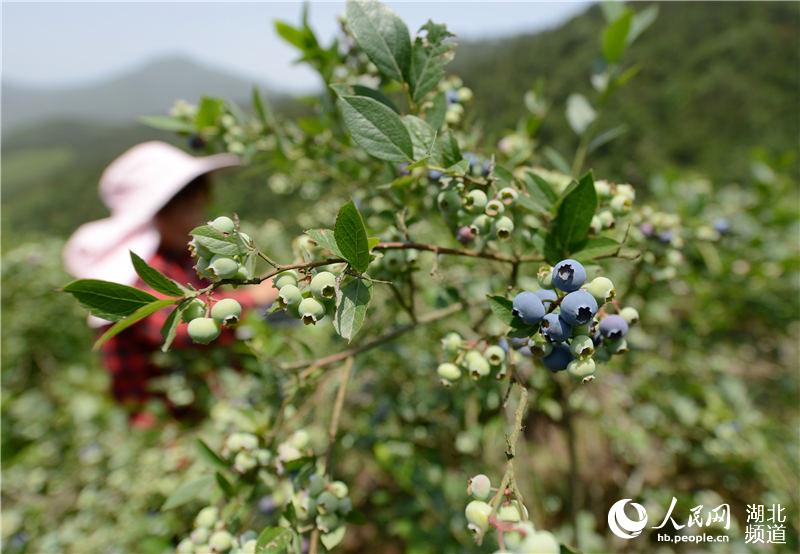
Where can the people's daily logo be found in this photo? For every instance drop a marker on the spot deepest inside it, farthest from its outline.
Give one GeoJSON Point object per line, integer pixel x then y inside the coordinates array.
{"type": "Point", "coordinates": [623, 526]}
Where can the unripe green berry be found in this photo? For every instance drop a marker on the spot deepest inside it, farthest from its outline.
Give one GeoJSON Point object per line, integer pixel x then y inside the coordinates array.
{"type": "Point", "coordinates": [451, 343]}
{"type": "Point", "coordinates": [224, 267]}
{"type": "Point", "coordinates": [311, 310]}
{"type": "Point", "coordinates": [299, 439]}
{"type": "Point", "coordinates": [207, 517]}
{"type": "Point", "coordinates": [250, 547]}
{"type": "Point", "coordinates": [504, 227]}
{"type": "Point", "coordinates": [449, 371]}
{"type": "Point", "coordinates": [201, 266]}
{"type": "Point", "coordinates": [508, 511]}
{"type": "Point", "coordinates": [223, 224]}
{"type": "Point", "coordinates": [507, 195]}
{"type": "Point", "coordinates": [602, 288]}
{"type": "Point", "coordinates": [477, 513]}
{"type": "Point", "coordinates": [227, 311]}
{"type": "Point", "coordinates": [194, 309]}
{"type": "Point", "coordinates": [327, 503]}
{"type": "Point", "coordinates": [327, 522]}
{"type": "Point", "coordinates": [203, 330]}
{"type": "Point", "coordinates": [494, 208]}
{"type": "Point", "coordinates": [285, 278]}
{"type": "Point", "coordinates": [289, 295]}
{"type": "Point", "coordinates": [449, 201]}
{"type": "Point", "coordinates": [581, 368]}
{"type": "Point", "coordinates": [220, 541]}
{"type": "Point", "coordinates": [476, 364]}
{"type": "Point", "coordinates": [545, 276]}
{"type": "Point", "coordinates": [186, 546]}
{"type": "Point", "coordinates": [582, 346]}
{"type": "Point", "coordinates": [480, 487]}
{"type": "Point", "coordinates": [200, 535]}
{"type": "Point", "coordinates": [621, 204]}
{"type": "Point", "coordinates": [539, 345]}
{"type": "Point", "coordinates": [244, 462]}
{"type": "Point", "coordinates": [606, 219]}
{"type": "Point", "coordinates": [631, 315]}
{"type": "Point", "coordinates": [316, 484]}
{"type": "Point", "coordinates": [541, 542]}
{"type": "Point", "coordinates": [323, 285]}
{"type": "Point", "coordinates": [618, 346]}
{"type": "Point", "coordinates": [481, 225]}
{"type": "Point", "coordinates": [475, 201]}
{"type": "Point", "coordinates": [339, 489]}
{"type": "Point", "coordinates": [513, 539]}
{"type": "Point", "coordinates": [495, 354]}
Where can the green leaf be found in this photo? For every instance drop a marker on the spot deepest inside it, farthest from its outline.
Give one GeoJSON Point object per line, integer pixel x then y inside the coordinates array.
{"type": "Point", "coordinates": [273, 540]}
{"type": "Point", "coordinates": [186, 492]}
{"type": "Point", "coordinates": [224, 485]}
{"type": "Point", "coordinates": [330, 540]}
{"type": "Point", "coordinates": [325, 238]}
{"type": "Point", "coordinates": [372, 242]}
{"type": "Point", "coordinates": [437, 112]}
{"type": "Point", "coordinates": [209, 455]}
{"type": "Point", "coordinates": [605, 137]}
{"type": "Point", "coordinates": [170, 328]}
{"type": "Point", "coordinates": [166, 123]}
{"type": "Point", "coordinates": [641, 21]}
{"type": "Point", "coordinates": [422, 135]}
{"type": "Point", "coordinates": [294, 36]}
{"type": "Point", "coordinates": [382, 35]}
{"type": "Point", "coordinates": [351, 237]}
{"type": "Point", "coordinates": [208, 112]}
{"type": "Point", "coordinates": [361, 90]}
{"type": "Point", "coordinates": [540, 191]}
{"type": "Point", "coordinates": [615, 36]}
{"type": "Point", "coordinates": [153, 277]}
{"type": "Point", "coordinates": [351, 307]}
{"type": "Point", "coordinates": [260, 108]}
{"type": "Point", "coordinates": [376, 128]}
{"type": "Point", "coordinates": [580, 113]}
{"type": "Point", "coordinates": [600, 247]}
{"type": "Point", "coordinates": [446, 150]}
{"type": "Point", "coordinates": [108, 300]}
{"type": "Point", "coordinates": [501, 307]}
{"type": "Point", "coordinates": [135, 317]}
{"type": "Point", "coordinates": [557, 160]}
{"type": "Point", "coordinates": [571, 225]}
{"type": "Point", "coordinates": [428, 58]}
{"type": "Point", "coordinates": [218, 243]}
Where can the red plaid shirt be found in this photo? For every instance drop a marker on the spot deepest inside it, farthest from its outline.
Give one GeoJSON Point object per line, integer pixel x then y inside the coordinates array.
{"type": "Point", "coordinates": [128, 355]}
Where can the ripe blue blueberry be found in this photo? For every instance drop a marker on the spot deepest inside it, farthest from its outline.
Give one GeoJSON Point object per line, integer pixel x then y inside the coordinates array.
{"type": "Point", "coordinates": [434, 175]}
{"type": "Point", "coordinates": [568, 275]}
{"type": "Point", "coordinates": [547, 296]}
{"type": "Point", "coordinates": [528, 307]}
{"type": "Point", "coordinates": [452, 96]}
{"type": "Point", "coordinates": [665, 237]}
{"type": "Point", "coordinates": [647, 229]}
{"type": "Point", "coordinates": [578, 308]}
{"type": "Point", "coordinates": [613, 327]}
{"type": "Point", "coordinates": [555, 329]}
{"type": "Point", "coordinates": [558, 359]}
{"type": "Point", "coordinates": [722, 226]}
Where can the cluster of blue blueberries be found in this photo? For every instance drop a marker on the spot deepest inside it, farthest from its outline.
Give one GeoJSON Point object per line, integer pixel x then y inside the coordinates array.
{"type": "Point", "coordinates": [566, 323]}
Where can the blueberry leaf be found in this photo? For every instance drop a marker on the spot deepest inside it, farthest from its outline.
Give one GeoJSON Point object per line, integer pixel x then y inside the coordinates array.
{"type": "Point", "coordinates": [273, 540]}
{"type": "Point", "coordinates": [376, 128]}
{"type": "Point", "coordinates": [436, 113]}
{"type": "Point", "coordinates": [188, 491]}
{"type": "Point", "coordinates": [166, 123]}
{"type": "Point", "coordinates": [600, 247]}
{"type": "Point", "coordinates": [330, 540]}
{"type": "Point", "coordinates": [325, 239]}
{"type": "Point", "coordinates": [209, 455]}
{"type": "Point", "coordinates": [501, 307]}
{"type": "Point", "coordinates": [351, 237]}
{"type": "Point", "coordinates": [217, 242]}
{"type": "Point", "coordinates": [135, 317]}
{"type": "Point", "coordinates": [361, 90]}
{"type": "Point", "coordinates": [382, 35]}
{"type": "Point", "coordinates": [108, 300]}
{"type": "Point", "coordinates": [208, 112]}
{"type": "Point", "coordinates": [422, 136]}
{"type": "Point", "coordinates": [428, 58]}
{"type": "Point", "coordinates": [153, 277]}
{"type": "Point", "coordinates": [352, 302]}
{"type": "Point", "coordinates": [573, 219]}
{"type": "Point", "coordinates": [615, 36]}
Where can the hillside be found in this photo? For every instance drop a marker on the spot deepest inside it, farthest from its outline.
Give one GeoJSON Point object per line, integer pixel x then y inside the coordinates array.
{"type": "Point", "coordinates": [148, 89]}
{"type": "Point", "coordinates": [717, 79]}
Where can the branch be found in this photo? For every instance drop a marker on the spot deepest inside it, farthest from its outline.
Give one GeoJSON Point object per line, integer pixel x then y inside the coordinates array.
{"type": "Point", "coordinates": [399, 245]}
{"type": "Point", "coordinates": [391, 335]}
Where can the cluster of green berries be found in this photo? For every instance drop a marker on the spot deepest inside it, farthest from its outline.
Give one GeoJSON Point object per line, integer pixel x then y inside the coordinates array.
{"type": "Point", "coordinates": [246, 451]}
{"type": "Point", "coordinates": [614, 200]}
{"type": "Point", "coordinates": [660, 235]}
{"type": "Point", "coordinates": [456, 95]}
{"type": "Point", "coordinates": [311, 303]}
{"type": "Point", "coordinates": [510, 519]}
{"type": "Point", "coordinates": [210, 536]}
{"type": "Point", "coordinates": [206, 325]}
{"type": "Point", "coordinates": [474, 214]}
{"type": "Point", "coordinates": [297, 446]}
{"type": "Point", "coordinates": [566, 322]}
{"type": "Point", "coordinates": [322, 504]}
{"type": "Point", "coordinates": [215, 267]}
{"type": "Point", "coordinates": [476, 362]}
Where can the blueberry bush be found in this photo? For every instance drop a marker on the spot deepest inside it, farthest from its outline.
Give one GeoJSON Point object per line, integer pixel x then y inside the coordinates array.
{"type": "Point", "coordinates": [458, 328]}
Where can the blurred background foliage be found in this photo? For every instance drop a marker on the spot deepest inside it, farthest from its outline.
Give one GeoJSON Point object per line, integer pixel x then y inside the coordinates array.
{"type": "Point", "coordinates": [705, 408]}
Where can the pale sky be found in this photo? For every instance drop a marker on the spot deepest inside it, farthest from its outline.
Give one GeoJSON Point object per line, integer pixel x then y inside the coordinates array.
{"type": "Point", "coordinates": [63, 44]}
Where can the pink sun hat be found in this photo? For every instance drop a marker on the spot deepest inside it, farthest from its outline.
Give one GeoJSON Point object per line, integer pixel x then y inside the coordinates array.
{"type": "Point", "coordinates": [134, 187]}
